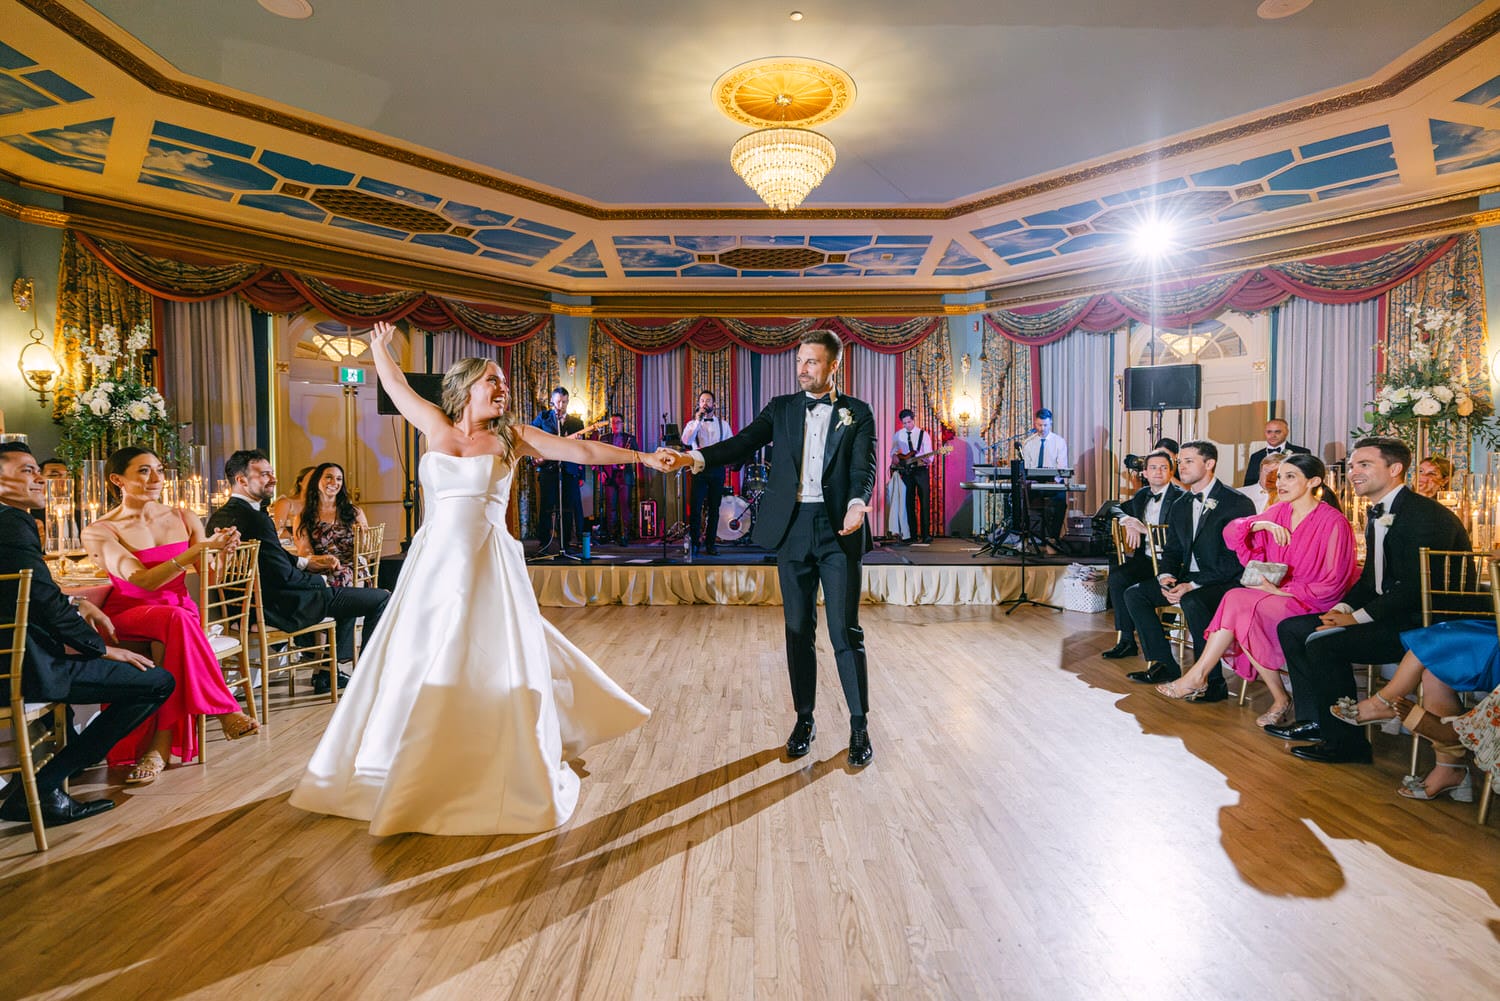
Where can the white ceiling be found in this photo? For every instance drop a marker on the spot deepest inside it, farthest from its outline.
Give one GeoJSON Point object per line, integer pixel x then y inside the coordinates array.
{"type": "Point", "coordinates": [609, 100]}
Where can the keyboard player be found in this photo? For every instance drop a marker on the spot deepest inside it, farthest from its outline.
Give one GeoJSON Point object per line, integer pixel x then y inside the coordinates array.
{"type": "Point", "coordinates": [1043, 449]}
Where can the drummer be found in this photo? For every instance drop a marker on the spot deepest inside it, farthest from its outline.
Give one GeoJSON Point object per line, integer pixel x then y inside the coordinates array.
{"type": "Point", "coordinates": [705, 428]}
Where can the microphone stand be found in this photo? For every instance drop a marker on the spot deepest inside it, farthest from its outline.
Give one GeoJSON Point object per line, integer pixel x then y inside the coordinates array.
{"type": "Point", "coordinates": [1019, 490]}
{"type": "Point", "coordinates": [562, 539]}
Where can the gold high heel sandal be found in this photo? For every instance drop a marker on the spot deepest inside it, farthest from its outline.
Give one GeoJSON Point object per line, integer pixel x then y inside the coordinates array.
{"type": "Point", "coordinates": [237, 725]}
{"type": "Point", "coordinates": [146, 769]}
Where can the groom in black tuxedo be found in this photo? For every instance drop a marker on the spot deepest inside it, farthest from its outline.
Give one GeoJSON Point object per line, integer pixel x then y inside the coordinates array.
{"type": "Point", "coordinates": [67, 658]}
{"type": "Point", "coordinates": [294, 594]}
{"type": "Point", "coordinates": [1365, 628]}
{"type": "Point", "coordinates": [813, 515]}
{"type": "Point", "coordinates": [1195, 572]}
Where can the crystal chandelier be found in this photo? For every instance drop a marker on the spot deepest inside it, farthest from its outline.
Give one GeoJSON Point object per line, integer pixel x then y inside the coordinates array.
{"type": "Point", "coordinates": [783, 165]}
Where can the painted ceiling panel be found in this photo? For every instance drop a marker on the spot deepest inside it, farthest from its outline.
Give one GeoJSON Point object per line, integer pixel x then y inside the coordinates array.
{"type": "Point", "coordinates": [1456, 146]}
{"type": "Point", "coordinates": [581, 263]}
{"type": "Point", "coordinates": [81, 147]}
{"type": "Point", "coordinates": [294, 207]}
{"type": "Point", "coordinates": [1487, 93]}
{"type": "Point", "coordinates": [1371, 161]}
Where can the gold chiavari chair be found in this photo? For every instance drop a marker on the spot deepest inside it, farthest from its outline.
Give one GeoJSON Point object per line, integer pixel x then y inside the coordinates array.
{"type": "Point", "coordinates": [226, 596]}
{"type": "Point", "coordinates": [1489, 775]}
{"type": "Point", "coordinates": [19, 717]}
{"type": "Point", "coordinates": [368, 541]}
{"type": "Point", "coordinates": [1173, 621]}
{"type": "Point", "coordinates": [319, 655]}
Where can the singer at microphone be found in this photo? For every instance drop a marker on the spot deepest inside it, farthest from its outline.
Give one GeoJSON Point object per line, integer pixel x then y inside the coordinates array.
{"type": "Point", "coordinates": [706, 428]}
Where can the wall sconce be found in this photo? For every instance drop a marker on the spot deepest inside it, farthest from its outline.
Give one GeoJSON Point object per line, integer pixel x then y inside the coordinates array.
{"type": "Point", "coordinates": [38, 365]}
{"type": "Point", "coordinates": [964, 407]}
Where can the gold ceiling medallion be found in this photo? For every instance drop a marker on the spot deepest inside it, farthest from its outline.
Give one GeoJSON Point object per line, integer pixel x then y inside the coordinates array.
{"type": "Point", "coordinates": [783, 159]}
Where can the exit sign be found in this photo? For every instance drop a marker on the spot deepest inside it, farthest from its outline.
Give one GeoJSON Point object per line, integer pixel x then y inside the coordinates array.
{"type": "Point", "coordinates": [352, 376]}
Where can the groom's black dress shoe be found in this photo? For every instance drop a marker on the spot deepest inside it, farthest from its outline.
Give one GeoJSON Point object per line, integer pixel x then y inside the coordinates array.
{"type": "Point", "coordinates": [860, 751]}
{"type": "Point", "coordinates": [320, 682]}
{"type": "Point", "coordinates": [1121, 650]}
{"type": "Point", "coordinates": [1328, 754]}
{"type": "Point", "coordinates": [1156, 673]}
{"type": "Point", "coordinates": [58, 808]}
{"type": "Point", "coordinates": [800, 742]}
{"type": "Point", "coordinates": [1296, 730]}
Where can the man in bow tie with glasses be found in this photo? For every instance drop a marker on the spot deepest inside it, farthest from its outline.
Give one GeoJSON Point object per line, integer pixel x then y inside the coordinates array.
{"type": "Point", "coordinates": [813, 515]}
{"type": "Point", "coordinates": [1277, 432]}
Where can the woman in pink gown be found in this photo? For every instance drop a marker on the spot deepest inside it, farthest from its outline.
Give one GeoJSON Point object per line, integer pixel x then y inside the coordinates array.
{"type": "Point", "coordinates": [1306, 531]}
{"type": "Point", "coordinates": [146, 547]}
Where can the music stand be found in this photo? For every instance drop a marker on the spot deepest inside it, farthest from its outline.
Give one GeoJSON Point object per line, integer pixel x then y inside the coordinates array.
{"type": "Point", "coordinates": [1023, 506]}
{"type": "Point", "coordinates": [670, 436]}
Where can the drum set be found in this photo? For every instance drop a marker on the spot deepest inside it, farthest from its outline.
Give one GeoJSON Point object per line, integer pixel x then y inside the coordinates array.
{"type": "Point", "coordinates": [737, 510]}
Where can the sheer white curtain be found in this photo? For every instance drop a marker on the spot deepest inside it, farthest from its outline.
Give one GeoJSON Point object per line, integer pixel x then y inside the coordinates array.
{"type": "Point", "coordinates": [208, 371]}
{"type": "Point", "coordinates": [875, 382]}
{"type": "Point", "coordinates": [661, 393]}
{"type": "Point", "coordinates": [758, 378]}
{"type": "Point", "coordinates": [1325, 367]}
{"type": "Point", "coordinates": [1077, 386]}
{"type": "Point", "coordinates": [455, 345]}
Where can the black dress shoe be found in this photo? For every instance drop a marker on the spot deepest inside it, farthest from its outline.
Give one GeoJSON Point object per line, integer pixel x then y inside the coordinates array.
{"type": "Point", "coordinates": [58, 808]}
{"type": "Point", "coordinates": [1211, 695]}
{"type": "Point", "coordinates": [800, 742]}
{"type": "Point", "coordinates": [860, 751]}
{"type": "Point", "coordinates": [1297, 729]}
{"type": "Point", "coordinates": [1121, 650]}
{"type": "Point", "coordinates": [1156, 673]}
{"type": "Point", "coordinates": [320, 682]}
{"type": "Point", "coordinates": [1328, 754]}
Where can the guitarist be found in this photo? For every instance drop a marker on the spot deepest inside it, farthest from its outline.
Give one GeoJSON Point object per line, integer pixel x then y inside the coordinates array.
{"type": "Point", "coordinates": [911, 457]}
{"type": "Point", "coordinates": [554, 478]}
{"type": "Point", "coordinates": [706, 428]}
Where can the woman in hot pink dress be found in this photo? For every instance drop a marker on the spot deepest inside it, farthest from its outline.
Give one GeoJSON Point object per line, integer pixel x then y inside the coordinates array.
{"type": "Point", "coordinates": [146, 547]}
{"type": "Point", "coordinates": [1306, 531]}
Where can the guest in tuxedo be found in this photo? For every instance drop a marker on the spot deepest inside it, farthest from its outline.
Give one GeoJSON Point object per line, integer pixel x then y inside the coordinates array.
{"type": "Point", "coordinates": [294, 592]}
{"type": "Point", "coordinates": [1366, 627]}
{"type": "Point", "coordinates": [706, 428]}
{"type": "Point", "coordinates": [813, 515]}
{"type": "Point", "coordinates": [1149, 506]}
{"type": "Point", "coordinates": [68, 658]}
{"type": "Point", "coordinates": [552, 475]}
{"type": "Point", "coordinates": [1045, 450]}
{"type": "Point", "coordinates": [1434, 473]}
{"type": "Point", "coordinates": [911, 457]}
{"type": "Point", "coordinates": [615, 482]}
{"type": "Point", "coordinates": [1277, 431]}
{"type": "Point", "coordinates": [1195, 571]}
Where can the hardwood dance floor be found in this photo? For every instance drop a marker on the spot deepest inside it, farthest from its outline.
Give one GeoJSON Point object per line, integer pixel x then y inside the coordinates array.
{"type": "Point", "coordinates": [1033, 826]}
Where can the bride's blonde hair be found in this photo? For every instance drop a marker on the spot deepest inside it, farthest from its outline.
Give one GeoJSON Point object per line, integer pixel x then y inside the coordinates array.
{"type": "Point", "coordinates": [458, 381]}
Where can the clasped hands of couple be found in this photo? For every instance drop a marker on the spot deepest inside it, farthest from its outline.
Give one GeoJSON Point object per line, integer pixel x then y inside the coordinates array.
{"type": "Point", "coordinates": [667, 460]}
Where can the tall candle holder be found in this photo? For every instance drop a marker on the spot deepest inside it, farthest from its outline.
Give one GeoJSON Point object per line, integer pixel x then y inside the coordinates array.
{"type": "Point", "coordinates": [62, 526]}
{"type": "Point", "coordinates": [93, 491]}
{"type": "Point", "coordinates": [195, 495]}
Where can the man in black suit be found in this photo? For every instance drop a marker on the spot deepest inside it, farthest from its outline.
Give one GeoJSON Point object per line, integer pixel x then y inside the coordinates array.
{"type": "Point", "coordinates": [813, 515]}
{"type": "Point", "coordinates": [1321, 650]}
{"type": "Point", "coordinates": [1195, 572]}
{"type": "Point", "coordinates": [552, 474]}
{"type": "Point", "coordinates": [1277, 431]}
{"type": "Point", "coordinates": [1150, 506]}
{"type": "Point", "coordinates": [67, 658]}
{"type": "Point", "coordinates": [295, 595]}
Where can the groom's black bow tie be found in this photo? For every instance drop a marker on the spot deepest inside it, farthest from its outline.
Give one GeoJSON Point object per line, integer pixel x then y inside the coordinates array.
{"type": "Point", "coordinates": [1275, 451]}
{"type": "Point", "coordinates": [814, 401]}
{"type": "Point", "coordinates": [1199, 498]}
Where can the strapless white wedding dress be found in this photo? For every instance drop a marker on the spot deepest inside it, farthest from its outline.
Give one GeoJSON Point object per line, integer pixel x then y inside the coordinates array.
{"type": "Point", "coordinates": [466, 703]}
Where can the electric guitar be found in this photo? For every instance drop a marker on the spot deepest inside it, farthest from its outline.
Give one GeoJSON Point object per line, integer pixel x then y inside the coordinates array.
{"type": "Point", "coordinates": [906, 462]}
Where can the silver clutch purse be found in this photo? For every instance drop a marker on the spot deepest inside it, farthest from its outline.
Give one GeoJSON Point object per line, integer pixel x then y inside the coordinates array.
{"type": "Point", "coordinates": [1258, 572]}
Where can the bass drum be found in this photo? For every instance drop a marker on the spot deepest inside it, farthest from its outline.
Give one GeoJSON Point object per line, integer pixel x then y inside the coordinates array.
{"type": "Point", "coordinates": [735, 518]}
{"type": "Point", "coordinates": [755, 478]}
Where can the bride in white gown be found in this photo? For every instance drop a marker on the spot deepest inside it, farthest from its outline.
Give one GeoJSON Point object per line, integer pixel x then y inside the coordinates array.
{"type": "Point", "coordinates": [466, 703]}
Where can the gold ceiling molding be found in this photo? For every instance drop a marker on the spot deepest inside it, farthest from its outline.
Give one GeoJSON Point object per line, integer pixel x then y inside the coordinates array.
{"type": "Point", "coordinates": [91, 36]}
{"type": "Point", "coordinates": [33, 215]}
{"type": "Point", "coordinates": [796, 93]}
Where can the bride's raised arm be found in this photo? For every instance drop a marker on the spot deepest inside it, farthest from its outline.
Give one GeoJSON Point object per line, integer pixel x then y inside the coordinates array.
{"type": "Point", "coordinates": [536, 442]}
{"type": "Point", "coordinates": [425, 417]}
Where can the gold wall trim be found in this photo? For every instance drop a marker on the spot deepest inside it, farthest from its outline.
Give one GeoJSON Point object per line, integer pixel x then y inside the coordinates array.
{"type": "Point", "coordinates": [33, 215]}
{"type": "Point", "coordinates": [100, 42]}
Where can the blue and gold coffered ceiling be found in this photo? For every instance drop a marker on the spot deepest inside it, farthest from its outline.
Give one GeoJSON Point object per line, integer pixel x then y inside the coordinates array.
{"type": "Point", "coordinates": [88, 110]}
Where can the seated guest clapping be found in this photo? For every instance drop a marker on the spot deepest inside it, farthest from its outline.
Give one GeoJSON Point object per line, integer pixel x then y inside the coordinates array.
{"type": "Point", "coordinates": [1196, 569]}
{"type": "Point", "coordinates": [1304, 533]}
{"type": "Point", "coordinates": [1366, 626]}
{"type": "Point", "coordinates": [67, 658]}
{"type": "Point", "coordinates": [295, 595]}
{"type": "Point", "coordinates": [1149, 506]}
{"type": "Point", "coordinates": [1434, 473]}
{"type": "Point", "coordinates": [147, 548]}
{"type": "Point", "coordinates": [1444, 659]}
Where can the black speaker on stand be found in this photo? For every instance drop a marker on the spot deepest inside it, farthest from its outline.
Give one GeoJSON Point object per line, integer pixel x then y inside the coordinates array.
{"type": "Point", "coordinates": [1159, 388]}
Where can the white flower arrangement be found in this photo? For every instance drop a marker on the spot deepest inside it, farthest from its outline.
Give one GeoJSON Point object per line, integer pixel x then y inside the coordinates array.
{"type": "Point", "coordinates": [1430, 384]}
{"type": "Point", "coordinates": [118, 407]}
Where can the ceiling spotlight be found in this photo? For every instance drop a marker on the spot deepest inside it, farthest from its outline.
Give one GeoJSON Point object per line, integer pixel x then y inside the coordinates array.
{"type": "Point", "coordinates": [1272, 10]}
{"type": "Point", "coordinates": [795, 15]}
{"type": "Point", "coordinates": [297, 10]}
{"type": "Point", "coordinates": [1152, 238]}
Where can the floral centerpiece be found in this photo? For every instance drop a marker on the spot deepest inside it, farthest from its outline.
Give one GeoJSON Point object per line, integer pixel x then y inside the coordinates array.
{"type": "Point", "coordinates": [1425, 390]}
{"type": "Point", "coordinates": [119, 407]}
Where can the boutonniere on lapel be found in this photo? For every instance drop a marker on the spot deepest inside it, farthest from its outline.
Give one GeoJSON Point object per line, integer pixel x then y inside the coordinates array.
{"type": "Point", "coordinates": [1385, 520]}
{"type": "Point", "coordinates": [845, 417]}
{"type": "Point", "coordinates": [1209, 503]}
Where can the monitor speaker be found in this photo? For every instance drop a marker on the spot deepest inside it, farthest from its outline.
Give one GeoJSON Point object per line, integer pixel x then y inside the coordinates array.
{"type": "Point", "coordinates": [1164, 387]}
{"type": "Point", "coordinates": [428, 387]}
